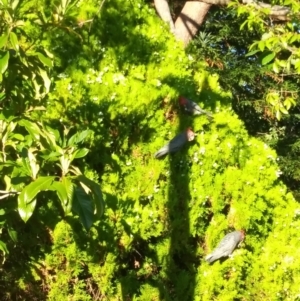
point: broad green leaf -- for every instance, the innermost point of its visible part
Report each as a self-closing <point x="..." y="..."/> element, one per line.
<point x="282" y="63"/>
<point x="19" y="23"/>
<point x="14" y="4"/>
<point x="261" y="45"/>
<point x="13" y="234"/>
<point x="80" y="153"/>
<point x="3" y="40"/>
<point x="33" y="163"/>
<point x="252" y="52"/>
<point x="18" y="137"/>
<point x="287" y="103"/>
<point x="96" y="191"/>
<point x="46" y="61"/>
<point x="14" y="41"/>
<point x="53" y="132"/>
<point x="51" y="138"/>
<point x="7" y="181"/>
<point x="275" y="67"/>
<point x="268" y="58"/>
<point x="278" y="115"/>
<point x="64" y="191"/>
<point x="49" y="53"/>
<point x="52" y="156"/>
<point x="26" y="199"/>
<point x="31" y="127"/>
<point x="266" y="36"/>
<point x="3" y="247"/>
<point x="283" y="110"/>
<point x="78" y="137"/>
<point x="83" y="206"/>
<point x="75" y="170"/>
<point x="47" y="81"/>
<point x="243" y="25"/>
<point x="4" y="62"/>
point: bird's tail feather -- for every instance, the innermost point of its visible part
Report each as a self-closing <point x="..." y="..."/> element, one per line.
<point x="163" y="151"/>
<point x="211" y="258"/>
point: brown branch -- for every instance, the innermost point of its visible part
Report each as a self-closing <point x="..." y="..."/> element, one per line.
<point x="190" y="19"/>
<point x="277" y="12"/>
<point x="193" y="14"/>
<point x="163" y="10"/>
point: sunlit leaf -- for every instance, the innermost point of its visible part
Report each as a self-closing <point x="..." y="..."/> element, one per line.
<point x="31" y="127"/>
<point x="261" y="45"/>
<point x="14" y="41"/>
<point x="26" y="199"/>
<point x="268" y="58"/>
<point x="78" y="137"/>
<point x="64" y="191"/>
<point x="47" y="81"/>
<point x="3" y="247"/>
<point x="46" y="61"/>
<point x="275" y="68"/>
<point x="80" y="153"/>
<point x="278" y="115"/>
<point x="3" y="40"/>
<point x="252" y="52"/>
<point x="14" y="4"/>
<point x="4" y="62"/>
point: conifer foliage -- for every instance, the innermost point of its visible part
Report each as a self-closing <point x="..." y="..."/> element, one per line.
<point x="120" y="78"/>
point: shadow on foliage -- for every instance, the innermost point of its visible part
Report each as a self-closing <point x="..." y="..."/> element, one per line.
<point x="181" y="269"/>
<point x="23" y="263"/>
<point x="117" y="135"/>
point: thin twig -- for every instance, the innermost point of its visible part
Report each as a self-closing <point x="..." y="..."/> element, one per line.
<point x="96" y="14"/>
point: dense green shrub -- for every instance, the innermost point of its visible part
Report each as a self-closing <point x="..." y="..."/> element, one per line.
<point x="162" y="216"/>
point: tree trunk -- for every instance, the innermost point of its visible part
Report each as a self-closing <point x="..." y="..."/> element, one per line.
<point x="190" y="20"/>
<point x="163" y="10"/>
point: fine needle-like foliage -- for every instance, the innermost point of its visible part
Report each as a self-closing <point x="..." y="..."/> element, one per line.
<point x="119" y="79"/>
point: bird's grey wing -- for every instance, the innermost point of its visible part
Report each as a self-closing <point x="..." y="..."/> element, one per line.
<point x="225" y="247"/>
<point x="177" y="142"/>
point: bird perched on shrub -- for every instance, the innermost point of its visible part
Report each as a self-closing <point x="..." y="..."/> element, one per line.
<point x="192" y="108"/>
<point x="176" y="143"/>
<point x="226" y="246"/>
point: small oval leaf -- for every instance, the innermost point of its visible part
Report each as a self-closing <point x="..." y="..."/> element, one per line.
<point x="14" y="41"/>
<point x="4" y="62"/>
<point x="46" y="61"/>
<point x="80" y="153"/>
<point x="268" y="58"/>
<point x="3" y="40"/>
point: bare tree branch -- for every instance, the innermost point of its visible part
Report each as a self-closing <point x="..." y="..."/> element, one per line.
<point x="277" y="12"/>
<point x="194" y="12"/>
<point x="163" y="10"/>
<point x="190" y="19"/>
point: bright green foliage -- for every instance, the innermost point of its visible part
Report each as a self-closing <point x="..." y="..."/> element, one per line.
<point x="27" y="158"/>
<point x="162" y="216"/>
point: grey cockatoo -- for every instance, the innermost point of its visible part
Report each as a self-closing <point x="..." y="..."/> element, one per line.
<point x="226" y="246"/>
<point x="193" y="108"/>
<point x="176" y="143"/>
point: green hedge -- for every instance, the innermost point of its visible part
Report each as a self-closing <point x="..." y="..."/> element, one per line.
<point x="163" y="216"/>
